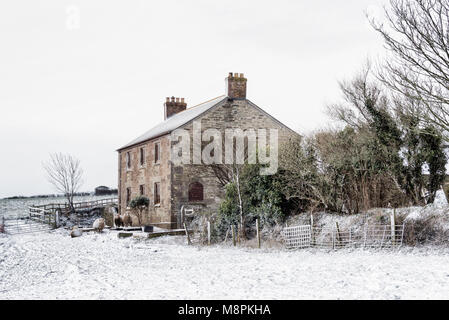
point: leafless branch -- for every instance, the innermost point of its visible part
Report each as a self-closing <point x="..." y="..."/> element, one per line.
<point x="65" y="174"/>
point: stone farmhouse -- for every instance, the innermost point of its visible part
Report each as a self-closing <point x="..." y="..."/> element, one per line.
<point x="145" y="166"/>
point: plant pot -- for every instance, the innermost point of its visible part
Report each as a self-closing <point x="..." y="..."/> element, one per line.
<point x="147" y="228"/>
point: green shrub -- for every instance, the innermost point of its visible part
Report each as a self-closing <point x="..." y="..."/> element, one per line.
<point x="138" y="205"/>
<point x="261" y="199"/>
<point x="140" y="201"/>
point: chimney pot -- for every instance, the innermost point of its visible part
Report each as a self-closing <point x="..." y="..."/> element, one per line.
<point x="236" y="86"/>
<point x="173" y="106"/>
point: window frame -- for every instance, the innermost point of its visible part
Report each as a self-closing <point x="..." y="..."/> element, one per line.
<point x="157" y="193"/>
<point x="190" y="191"/>
<point x="142" y="156"/>
<point x="157" y="152"/>
<point x="128" y="196"/>
<point x="128" y="160"/>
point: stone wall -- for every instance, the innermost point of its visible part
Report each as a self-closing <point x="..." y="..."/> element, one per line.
<point x="147" y="175"/>
<point x="232" y="114"/>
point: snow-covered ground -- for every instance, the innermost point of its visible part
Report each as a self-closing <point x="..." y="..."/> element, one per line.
<point x="15" y="208"/>
<point x="101" y="266"/>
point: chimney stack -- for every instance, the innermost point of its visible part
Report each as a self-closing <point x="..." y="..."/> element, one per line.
<point x="236" y="86"/>
<point x="173" y="106"/>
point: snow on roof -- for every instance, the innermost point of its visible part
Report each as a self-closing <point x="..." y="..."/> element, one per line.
<point x="176" y="121"/>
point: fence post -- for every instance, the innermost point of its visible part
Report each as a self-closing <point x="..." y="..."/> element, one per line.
<point x="338" y="233"/>
<point x="233" y="234"/>
<point x="312" y="238"/>
<point x="226" y="236"/>
<point x="187" y="234"/>
<point x="393" y="227"/>
<point x="350" y="236"/>
<point x="402" y="234"/>
<point x="208" y="232"/>
<point x="181" y="216"/>
<point x="333" y="238"/>
<point x="383" y="237"/>
<point x="258" y="233"/>
<point x="57" y="219"/>
<point x="364" y="236"/>
<point x="237" y="233"/>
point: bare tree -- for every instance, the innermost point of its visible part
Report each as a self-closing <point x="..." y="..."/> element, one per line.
<point x="417" y="36"/>
<point x="361" y="94"/>
<point x="301" y="173"/>
<point x="65" y="174"/>
<point x="231" y="173"/>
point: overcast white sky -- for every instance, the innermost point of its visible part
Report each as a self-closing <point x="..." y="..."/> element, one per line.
<point x="87" y="89"/>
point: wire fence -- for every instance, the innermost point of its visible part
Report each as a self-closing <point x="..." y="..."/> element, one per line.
<point x="373" y="236"/>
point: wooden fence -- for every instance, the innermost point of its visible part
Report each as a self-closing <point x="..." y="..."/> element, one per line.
<point x="47" y="216"/>
<point x="64" y="208"/>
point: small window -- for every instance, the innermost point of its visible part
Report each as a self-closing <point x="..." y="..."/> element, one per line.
<point x="142" y="156"/>
<point x="157" y="193"/>
<point x="196" y="192"/>
<point x="157" y="152"/>
<point x="142" y="189"/>
<point x="128" y="196"/>
<point x="128" y="160"/>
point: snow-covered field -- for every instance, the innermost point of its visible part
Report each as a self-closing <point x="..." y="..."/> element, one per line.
<point x="15" y="208"/>
<point x="101" y="266"/>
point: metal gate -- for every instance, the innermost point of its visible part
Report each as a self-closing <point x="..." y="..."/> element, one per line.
<point x="38" y="220"/>
<point x="374" y="236"/>
<point x="23" y="225"/>
<point x="297" y="237"/>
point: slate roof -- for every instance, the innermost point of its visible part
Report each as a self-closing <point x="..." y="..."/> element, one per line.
<point x="176" y="121"/>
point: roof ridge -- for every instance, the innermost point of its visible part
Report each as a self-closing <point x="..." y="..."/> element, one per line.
<point x="176" y="121"/>
<point x="197" y="105"/>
